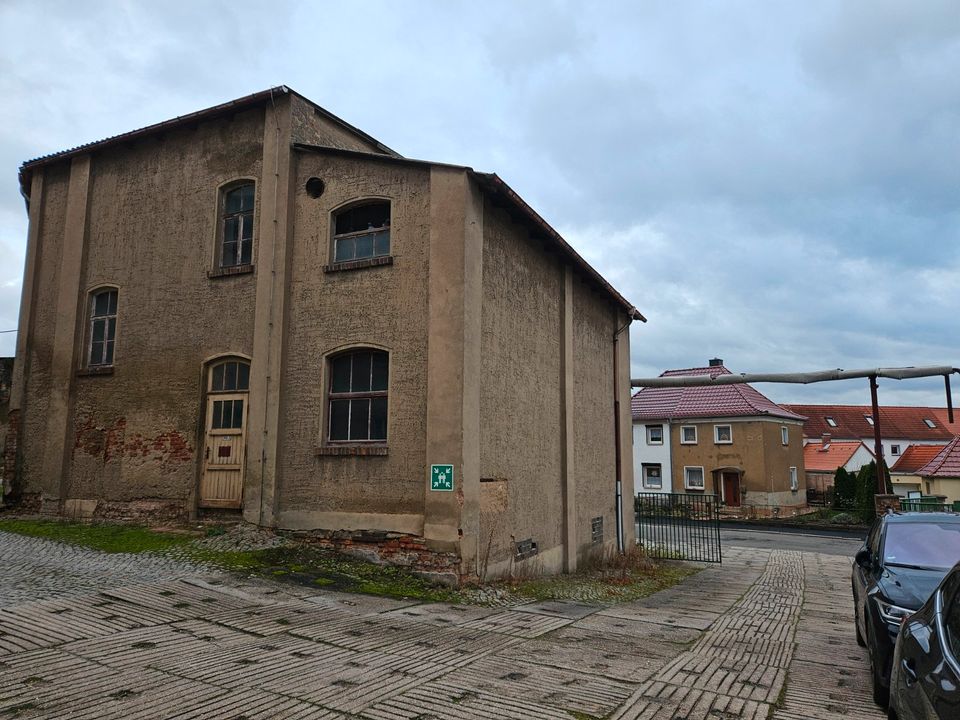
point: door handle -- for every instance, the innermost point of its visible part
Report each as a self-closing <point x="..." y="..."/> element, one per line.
<point x="909" y="672"/>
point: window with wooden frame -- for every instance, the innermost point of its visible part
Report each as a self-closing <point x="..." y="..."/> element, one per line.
<point x="102" y="331"/>
<point x="235" y="247"/>
<point x="228" y="376"/>
<point x="362" y="232"/>
<point x="357" y="398"/>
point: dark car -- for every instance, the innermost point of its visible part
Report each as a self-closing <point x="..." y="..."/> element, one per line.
<point x="925" y="676"/>
<point x="904" y="558"/>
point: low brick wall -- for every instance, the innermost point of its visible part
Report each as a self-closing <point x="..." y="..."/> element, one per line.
<point x="387" y="548"/>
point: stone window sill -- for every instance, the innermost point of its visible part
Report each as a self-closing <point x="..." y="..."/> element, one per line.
<point x="350" y="450"/>
<point x="230" y="271"/>
<point x="359" y="264"/>
<point x="92" y="371"/>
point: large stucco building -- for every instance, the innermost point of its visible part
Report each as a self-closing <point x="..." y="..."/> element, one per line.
<point x="259" y="307"/>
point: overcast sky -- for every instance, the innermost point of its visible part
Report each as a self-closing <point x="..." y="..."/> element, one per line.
<point x="776" y="184"/>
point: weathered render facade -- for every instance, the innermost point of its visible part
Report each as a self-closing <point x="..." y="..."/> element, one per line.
<point x="259" y="307"/>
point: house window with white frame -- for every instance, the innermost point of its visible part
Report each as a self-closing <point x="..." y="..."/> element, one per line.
<point x="103" y="328"/>
<point x="784" y="435"/>
<point x="723" y="434"/>
<point x="894" y="449"/>
<point x="693" y="478"/>
<point x="794" y="482"/>
<point x="688" y="435"/>
<point x="652" y="476"/>
<point x="654" y="434"/>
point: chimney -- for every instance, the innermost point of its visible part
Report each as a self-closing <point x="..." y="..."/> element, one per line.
<point x="824" y="442"/>
<point x="716" y="362"/>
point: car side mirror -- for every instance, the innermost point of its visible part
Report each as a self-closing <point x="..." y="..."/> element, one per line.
<point x="864" y="559"/>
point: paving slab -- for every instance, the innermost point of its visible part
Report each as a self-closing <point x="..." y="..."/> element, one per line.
<point x="768" y="634"/>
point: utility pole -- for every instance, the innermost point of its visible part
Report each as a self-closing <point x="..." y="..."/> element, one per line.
<point x="877" y="444"/>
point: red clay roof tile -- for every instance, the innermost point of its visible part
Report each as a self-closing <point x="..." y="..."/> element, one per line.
<point x="711" y="401"/>
<point x="851" y="422"/>
<point x="946" y="463"/>
<point x="915" y="457"/>
<point x="836" y="454"/>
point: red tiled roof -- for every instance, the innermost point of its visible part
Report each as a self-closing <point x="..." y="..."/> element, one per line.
<point x="895" y="422"/>
<point x="836" y="454"/>
<point x="712" y="401"/>
<point x="946" y="463"/>
<point x="915" y="457"/>
<point x="953" y="427"/>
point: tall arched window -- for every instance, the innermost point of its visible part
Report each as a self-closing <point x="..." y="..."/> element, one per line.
<point x="362" y="232"/>
<point x="236" y="225"/>
<point x="103" y="327"/>
<point x="358" y="396"/>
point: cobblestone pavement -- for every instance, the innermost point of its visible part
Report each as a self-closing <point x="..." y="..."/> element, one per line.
<point x="768" y="634"/>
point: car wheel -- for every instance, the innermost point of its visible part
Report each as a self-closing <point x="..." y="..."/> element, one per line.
<point x="881" y="694"/>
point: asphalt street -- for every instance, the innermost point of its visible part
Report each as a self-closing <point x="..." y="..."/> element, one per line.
<point x="827" y="544"/>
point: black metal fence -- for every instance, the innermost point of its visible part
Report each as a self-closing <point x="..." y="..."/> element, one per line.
<point x="682" y="526"/>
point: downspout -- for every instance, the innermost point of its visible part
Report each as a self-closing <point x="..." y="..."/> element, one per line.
<point x="616" y="435"/>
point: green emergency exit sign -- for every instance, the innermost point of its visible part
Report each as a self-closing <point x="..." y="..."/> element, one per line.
<point x="441" y="477"/>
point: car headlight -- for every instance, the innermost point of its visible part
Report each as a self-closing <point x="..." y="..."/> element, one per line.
<point x="893" y="614"/>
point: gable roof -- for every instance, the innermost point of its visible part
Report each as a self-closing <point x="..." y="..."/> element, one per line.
<point x="946" y="463"/>
<point x="851" y="422"/>
<point x="915" y="457"/>
<point x="492" y="184"/>
<point x="835" y="455"/>
<point x="227" y="108"/>
<point x="699" y="402"/>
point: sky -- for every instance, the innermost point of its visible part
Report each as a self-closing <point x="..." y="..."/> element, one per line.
<point x="775" y="184"/>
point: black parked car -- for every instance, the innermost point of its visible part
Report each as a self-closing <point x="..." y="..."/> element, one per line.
<point x="925" y="676"/>
<point x="905" y="557"/>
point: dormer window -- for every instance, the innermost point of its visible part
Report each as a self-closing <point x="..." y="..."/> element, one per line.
<point x="362" y="232"/>
<point x="831" y="422"/>
<point x="868" y="419"/>
<point x="929" y="423"/>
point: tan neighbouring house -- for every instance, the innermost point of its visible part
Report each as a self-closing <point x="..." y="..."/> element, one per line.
<point x="905" y="472"/>
<point x="260" y="308"/>
<point x="730" y="440"/>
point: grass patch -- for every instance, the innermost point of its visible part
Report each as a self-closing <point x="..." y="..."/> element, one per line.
<point x="603" y="585"/>
<point x="100" y="536"/>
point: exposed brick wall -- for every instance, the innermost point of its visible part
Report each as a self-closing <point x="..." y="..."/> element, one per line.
<point x="388" y="548"/>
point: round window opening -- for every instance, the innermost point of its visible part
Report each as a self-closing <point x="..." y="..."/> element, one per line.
<point x="315" y="187"/>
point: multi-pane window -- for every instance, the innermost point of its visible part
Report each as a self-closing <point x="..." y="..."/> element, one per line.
<point x="236" y="245"/>
<point x="693" y="478"/>
<point x="723" y="434"/>
<point x="362" y="232"/>
<point x="230" y="376"/>
<point x="654" y="434"/>
<point x="652" y="477"/>
<point x="358" y="397"/>
<point x="103" y="328"/>
<point x="688" y="435"/>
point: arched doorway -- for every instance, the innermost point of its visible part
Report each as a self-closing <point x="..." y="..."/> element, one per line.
<point x="225" y="438"/>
